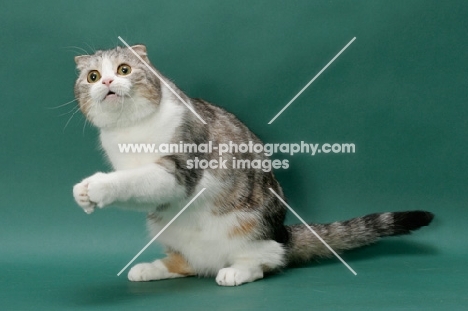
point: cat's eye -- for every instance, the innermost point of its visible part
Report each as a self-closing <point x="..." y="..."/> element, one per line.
<point x="124" y="70"/>
<point x="94" y="76"/>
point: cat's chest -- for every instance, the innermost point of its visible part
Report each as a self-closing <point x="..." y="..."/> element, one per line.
<point x="138" y="145"/>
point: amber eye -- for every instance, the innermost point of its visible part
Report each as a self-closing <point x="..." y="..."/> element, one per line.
<point x="124" y="70"/>
<point x="94" y="76"/>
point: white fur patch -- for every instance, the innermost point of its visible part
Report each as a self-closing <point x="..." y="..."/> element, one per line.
<point x="150" y="272"/>
<point x="156" y="129"/>
<point x="237" y="276"/>
<point x="203" y="237"/>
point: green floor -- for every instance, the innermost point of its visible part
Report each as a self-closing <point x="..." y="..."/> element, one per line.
<point x="403" y="274"/>
<point x="399" y="92"/>
<point x="392" y="276"/>
<point x="72" y="263"/>
<point x="403" y="283"/>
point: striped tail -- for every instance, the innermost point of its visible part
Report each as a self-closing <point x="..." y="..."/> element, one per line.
<point x="344" y="235"/>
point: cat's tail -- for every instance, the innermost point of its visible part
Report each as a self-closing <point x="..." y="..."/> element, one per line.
<point x="340" y="236"/>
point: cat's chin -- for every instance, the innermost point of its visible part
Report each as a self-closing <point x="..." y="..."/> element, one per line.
<point x="117" y="112"/>
<point x="114" y="124"/>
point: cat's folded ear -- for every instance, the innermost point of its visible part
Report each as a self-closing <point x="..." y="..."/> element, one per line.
<point x="140" y="49"/>
<point x="80" y="60"/>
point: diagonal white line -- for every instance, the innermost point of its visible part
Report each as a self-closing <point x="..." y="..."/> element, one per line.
<point x="162" y="230"/>
<point x="315" y="233"/>
<point x="313" y="79"/>
<point x="162" y="80"/>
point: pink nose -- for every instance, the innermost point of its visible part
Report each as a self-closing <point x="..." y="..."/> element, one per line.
<point x="107" y="81"/>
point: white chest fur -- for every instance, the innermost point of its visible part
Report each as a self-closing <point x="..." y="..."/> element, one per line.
<point x="156" y="129"/>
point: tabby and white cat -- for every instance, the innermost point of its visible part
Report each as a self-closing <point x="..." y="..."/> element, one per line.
<point x="235" y="229"/>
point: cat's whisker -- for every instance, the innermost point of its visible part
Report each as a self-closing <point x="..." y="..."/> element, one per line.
<point x="71" y="117"/>
<point x="63" y="105"/>
<point x="91" y="48"/>
<point x="86" y="116"/>
<point x="77" y="49"/>
<point x="69" y="111"/>
<point x="87" y="100"/>
<point x="86" y="120"/>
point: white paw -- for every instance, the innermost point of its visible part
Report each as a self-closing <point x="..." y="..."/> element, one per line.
<point x="80" y="193"/>
<point x="235" y="276"/>
<point x="100" y="189"/>
<point x="93" y="191"/>
<point x="147" y="272"/>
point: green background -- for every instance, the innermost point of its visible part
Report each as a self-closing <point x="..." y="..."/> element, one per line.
<point x="398" y="92"/>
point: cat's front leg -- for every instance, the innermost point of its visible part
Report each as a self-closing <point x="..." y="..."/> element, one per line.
<point x="149" y="185"/>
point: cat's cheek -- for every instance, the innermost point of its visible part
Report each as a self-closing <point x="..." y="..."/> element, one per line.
<point x="101" y="189"/>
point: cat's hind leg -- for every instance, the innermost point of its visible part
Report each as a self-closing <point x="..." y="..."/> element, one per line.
<point x="173" y="266"/>
<point x="248" y="266"/>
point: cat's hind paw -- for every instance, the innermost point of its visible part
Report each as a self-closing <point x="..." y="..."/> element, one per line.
<point x="150" y="271"/>
<point x="142" y="272"/>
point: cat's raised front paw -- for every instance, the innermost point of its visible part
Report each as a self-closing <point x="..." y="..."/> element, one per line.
<point x="93" y="191"/>
<point x="100" y="189"/>
<point x="80" y="193"/>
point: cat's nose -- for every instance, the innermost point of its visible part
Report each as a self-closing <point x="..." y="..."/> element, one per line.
<point x="107" y="81"/>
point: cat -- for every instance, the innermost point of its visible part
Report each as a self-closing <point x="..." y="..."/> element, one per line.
<point x="235" y="229"/>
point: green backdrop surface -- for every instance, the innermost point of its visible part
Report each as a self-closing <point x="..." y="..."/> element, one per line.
<point x="399" y="93"/>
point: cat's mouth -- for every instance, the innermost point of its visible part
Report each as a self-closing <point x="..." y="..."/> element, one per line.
<point x="111" y="94"/>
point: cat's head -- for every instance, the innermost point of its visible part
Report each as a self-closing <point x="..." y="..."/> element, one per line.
<point x="114" y="88"/>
